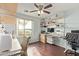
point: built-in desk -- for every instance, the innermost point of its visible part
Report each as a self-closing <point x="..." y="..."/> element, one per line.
<point x="48" y="38"/>
<point x="56" y="39"/>
<point x="53" y="39"/>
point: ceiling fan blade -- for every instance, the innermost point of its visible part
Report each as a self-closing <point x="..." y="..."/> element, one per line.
<point x="48" y="6"/>
<point x="36" y="5"/>
<point x="46" y="11"/>
<point x="33" y="11"/>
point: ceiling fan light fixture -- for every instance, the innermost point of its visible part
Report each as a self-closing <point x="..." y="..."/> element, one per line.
<point x="40" y="12"/>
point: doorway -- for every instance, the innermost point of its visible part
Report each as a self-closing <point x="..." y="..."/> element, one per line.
<point x="24" y="29"/>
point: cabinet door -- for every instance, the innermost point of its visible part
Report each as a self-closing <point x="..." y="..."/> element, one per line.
<point x="50" y="40"/>
<point x="60" y="42"/>
<point x="43" y="38"/>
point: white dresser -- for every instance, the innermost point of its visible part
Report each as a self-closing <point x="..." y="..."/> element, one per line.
<point x="15" y="50"/>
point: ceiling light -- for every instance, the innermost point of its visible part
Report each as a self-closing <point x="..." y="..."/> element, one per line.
<point x="40" y="12"/>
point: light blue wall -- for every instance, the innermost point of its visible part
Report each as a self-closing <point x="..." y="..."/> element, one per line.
<point x="72" y="21"/>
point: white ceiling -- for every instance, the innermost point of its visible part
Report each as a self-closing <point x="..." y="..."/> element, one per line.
<point x="57" y="8"/>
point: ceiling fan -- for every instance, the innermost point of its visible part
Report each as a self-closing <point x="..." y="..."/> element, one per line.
<point x="40" y="9"/>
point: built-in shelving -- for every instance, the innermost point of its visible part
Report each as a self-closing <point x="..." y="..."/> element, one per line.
<point x="57" y="24"/>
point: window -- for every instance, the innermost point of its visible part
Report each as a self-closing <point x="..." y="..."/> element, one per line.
<point x="24" y="28"/>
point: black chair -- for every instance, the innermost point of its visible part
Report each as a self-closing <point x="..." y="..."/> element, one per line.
<point x="74" y="47"/>
<point x="72" y="40"/>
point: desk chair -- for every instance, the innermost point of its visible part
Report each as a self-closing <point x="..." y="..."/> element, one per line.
<point x="24" y="45"/>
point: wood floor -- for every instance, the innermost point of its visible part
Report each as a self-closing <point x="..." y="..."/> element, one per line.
<point x="40" y="49"/>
